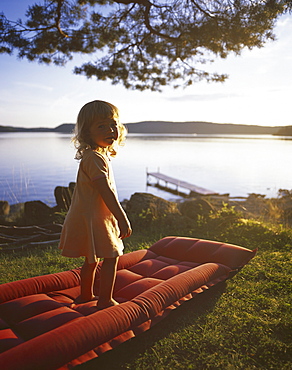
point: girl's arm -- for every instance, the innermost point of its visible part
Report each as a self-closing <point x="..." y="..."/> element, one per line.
<point x="114" y="206"/>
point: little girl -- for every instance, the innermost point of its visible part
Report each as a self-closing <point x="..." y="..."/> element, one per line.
<point x="96" y="223"/>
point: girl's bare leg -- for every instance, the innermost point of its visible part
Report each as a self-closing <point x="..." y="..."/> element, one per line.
<point x="87" y="280"/>
<point x="107" y="280"/>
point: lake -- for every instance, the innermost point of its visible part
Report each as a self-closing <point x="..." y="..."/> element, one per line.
<point x="33" y="164"/>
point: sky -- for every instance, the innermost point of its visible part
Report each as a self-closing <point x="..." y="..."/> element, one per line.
<point x="258" y="91"/>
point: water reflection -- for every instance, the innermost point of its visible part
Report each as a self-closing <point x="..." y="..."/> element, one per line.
<point x="33" y="164"/>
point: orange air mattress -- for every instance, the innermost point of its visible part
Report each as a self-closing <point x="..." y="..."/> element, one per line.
<point x="41" y="327"/>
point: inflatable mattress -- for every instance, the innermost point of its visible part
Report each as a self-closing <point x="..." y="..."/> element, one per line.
<point x="41" y="327"/>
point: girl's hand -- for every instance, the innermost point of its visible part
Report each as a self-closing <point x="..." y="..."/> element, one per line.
<point x="125" y="229"/>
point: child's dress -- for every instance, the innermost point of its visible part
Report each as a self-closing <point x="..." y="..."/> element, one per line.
<point x="90" y="229"/>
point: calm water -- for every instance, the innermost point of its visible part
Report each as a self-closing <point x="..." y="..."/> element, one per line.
<point x="33" y="164"/>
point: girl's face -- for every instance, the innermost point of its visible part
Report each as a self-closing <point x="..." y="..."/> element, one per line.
<point x="104" y="132"/>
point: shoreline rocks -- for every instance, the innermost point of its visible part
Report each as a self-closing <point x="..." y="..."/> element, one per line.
<point x="147" y="207"/>
<point x="4" y="208"/>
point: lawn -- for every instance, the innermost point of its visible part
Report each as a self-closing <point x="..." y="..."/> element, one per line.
<point x="244" y="323"/>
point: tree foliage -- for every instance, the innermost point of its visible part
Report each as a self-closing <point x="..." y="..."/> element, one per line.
<point x="140" y="43"/>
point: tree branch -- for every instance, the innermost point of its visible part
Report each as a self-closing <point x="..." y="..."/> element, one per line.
<point x="127" y="2"/>
<point x="58" y="18"/>
<point x="151" y="29"/>
<point x="143" y="43"/>
<point x="208" y="14"/>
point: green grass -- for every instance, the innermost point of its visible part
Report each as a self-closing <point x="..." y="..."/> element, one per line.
<point x="244" y="323"/>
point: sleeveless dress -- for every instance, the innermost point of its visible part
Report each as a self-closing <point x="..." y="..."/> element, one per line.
<point x="90" y="229"/>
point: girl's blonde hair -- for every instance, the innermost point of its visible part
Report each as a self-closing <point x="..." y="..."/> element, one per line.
<point x="91" y="111"/>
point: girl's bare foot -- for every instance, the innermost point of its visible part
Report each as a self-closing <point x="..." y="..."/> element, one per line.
<point x="103" y="305"/>
<point x="81" y="299"/>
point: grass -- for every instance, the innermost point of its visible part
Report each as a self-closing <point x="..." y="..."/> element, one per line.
<point x="245" y="323"/>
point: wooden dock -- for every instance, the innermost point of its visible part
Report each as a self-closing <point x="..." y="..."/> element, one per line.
<point x="194" y="189"/>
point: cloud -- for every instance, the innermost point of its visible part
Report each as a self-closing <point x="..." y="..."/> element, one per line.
<point x="204" y="97"/>
<point x="34" y="86"/>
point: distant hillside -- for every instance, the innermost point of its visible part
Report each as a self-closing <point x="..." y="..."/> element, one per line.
<point x="65" y="128"/>
<point x="159" y="127"/>
<point x="285" y="131"/>
<point x="164" y="127"/>
<point x="23" y="129"/>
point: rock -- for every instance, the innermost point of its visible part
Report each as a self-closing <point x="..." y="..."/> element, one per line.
<point x="4" y="208"/>
<point x="17" y="209"/>
<point x="37" y="213"/>
<point x="63" y="196"/>
<point x="14" y="216"/>
<point x="193" y="208"/>
<point x="149" y="205"/>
